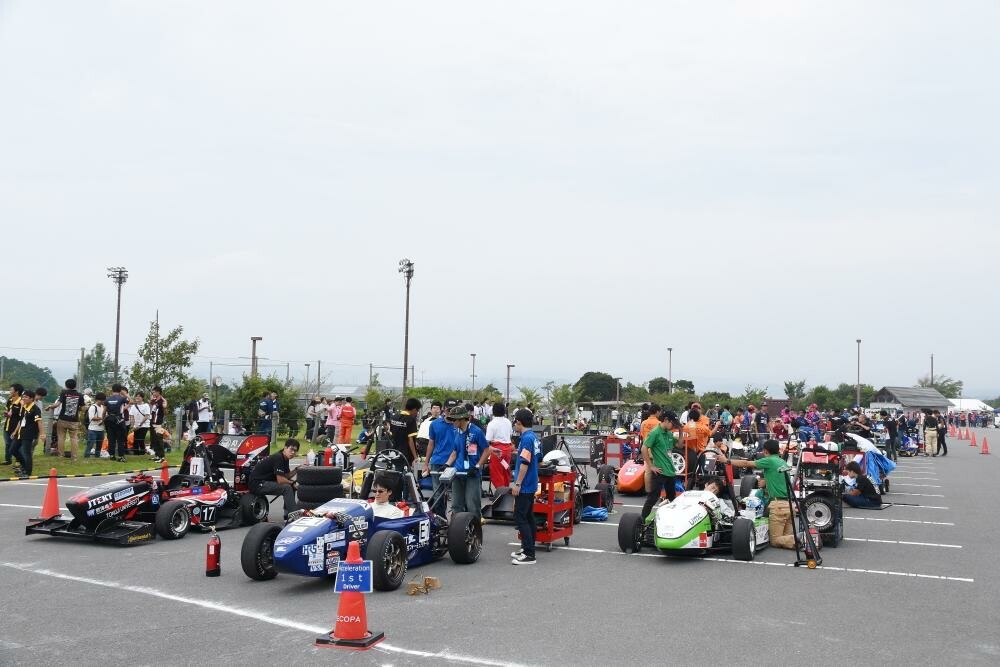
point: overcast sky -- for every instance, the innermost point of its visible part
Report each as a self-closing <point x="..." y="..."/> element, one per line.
<point x="580" y="185"/>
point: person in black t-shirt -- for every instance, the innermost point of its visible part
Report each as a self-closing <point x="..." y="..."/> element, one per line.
<point x="403" y="427"/>
<point x="892" y="430"/>
<point x="10" y="420"/>
<point x="942" y="429"/>
<point x="26" y="432"/>
<point x="272" y="476"/>
<point x="114" y="422"/>
<point x="930" y="434"/>
<point x="864" y="494"/>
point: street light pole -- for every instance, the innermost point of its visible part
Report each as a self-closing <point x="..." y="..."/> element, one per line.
<point x="670" y="370"/>
<point x="307" y="377"/>
<point x="118" y="275"/>
<point x="509" y="366"/>
<point x="253" y="355"/>
<point x="406" y="268"/>
<point x="857" y="387"/>
<point x="473" y="355"/>
<point x="932" y="370"/>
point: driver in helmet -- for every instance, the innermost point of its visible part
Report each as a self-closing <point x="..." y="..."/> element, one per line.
<point x="719" y="509"/>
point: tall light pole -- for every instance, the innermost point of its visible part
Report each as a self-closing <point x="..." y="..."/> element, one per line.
<point x="670" y="369"/>
<point x="932" y="370"/>
<point x="307" y="377"/>
<point x="857" y="387"/>
<point x="118" y="275"/>
<point x="509" y="366"/>
<point x="406" y="268"/>
<point x="253" y="355"/>
<point x="473" y="355"/>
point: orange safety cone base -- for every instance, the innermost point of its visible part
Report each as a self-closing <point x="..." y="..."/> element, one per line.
<point x="986" y="447"/>
<point x="164" y="473"/>
<point x="329" y="641"/>
<point x="50" y="504"/>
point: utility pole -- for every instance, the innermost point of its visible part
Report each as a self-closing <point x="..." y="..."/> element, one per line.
<point x="118" y="275"/>
<point x="473" y="355"/>
<point x="932" y="370"/>
<point x="509" y="366"/>
<point x="371" y="375"/>
<point x="211" y="372"/>
<point x="406" y="268"/>
<point x="306" y="385"/>
<point x="319" y="376"/>
<point x="670" y="370"/>
<point x="858" y="385"/>
<point x="79" y="376"/>
<point x="253" y="355"/>
<point x="288" y="372"/>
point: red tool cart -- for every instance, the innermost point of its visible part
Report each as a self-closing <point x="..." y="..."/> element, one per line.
<point x="557" y="515"/>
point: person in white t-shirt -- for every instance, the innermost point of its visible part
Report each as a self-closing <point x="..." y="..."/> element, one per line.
<point x="206" y="415"/>
<point x="95" y="426"/>
<point x="139" y="416"/>
<point x="498" y="433"/>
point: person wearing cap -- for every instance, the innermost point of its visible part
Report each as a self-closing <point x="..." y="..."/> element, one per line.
<point x="206" y="418"/>
<point x="656" y="449"/>
<point x="439" y="448"/>
<point x="470" y="452"/>
<point x="524" y="487"/>
<point x="779" y="511"/>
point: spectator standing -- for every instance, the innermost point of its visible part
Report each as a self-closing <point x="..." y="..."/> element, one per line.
<point x="942" y="430"/>
<point x="524" y="487"/>
<point x="114" y="422"/>
<point x="157" y="413"/>
<point x="930" y="434"/>
<point x="266" y="410"/>
<point x="70" y="406"/>
<point x="498" y="434"/>
<point x="139" y="416"/>
<point x="470" y="453"/>
<point x="311" y="418"/>
<point x="333" y="419"/>
<point x="95" y="426"/>
<point x="439" y="449"/>
<point x="47" y="428"/>
<point x="424" y="431"/>
<point x="650" y="422"/>
<point x="206" y="414"/>
<point x="11" y="416"/>
<point x="403" y="429"/>
<point x="347" y="415"/>
<point x="762" y="421"/>
<point x="26" y="432"/>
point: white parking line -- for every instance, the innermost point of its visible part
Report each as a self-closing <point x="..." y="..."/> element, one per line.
<point x="764" y="562"/>
<point x="926" y="523"/>
<point x="444" y="655"/>
<point x="918" y="495"/>
<point x="923" y="507"/>
<point x="61" y="486"/>
<point x="30" y="507"/>
<point x="917" y="544"/>
<point x="925" y="486"/>
<point x="925" y="479"/>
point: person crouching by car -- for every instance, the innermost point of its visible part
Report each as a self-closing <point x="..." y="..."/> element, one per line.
<point x="656" y="453"/>
<point x="779" y="512"/>
<point x="470" y="454"/>
<point x="272" y="477"/>
<point x="525" y="485"/>
<point x="864" y="494"/>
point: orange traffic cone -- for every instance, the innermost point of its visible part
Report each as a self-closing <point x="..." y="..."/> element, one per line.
<point x="164" y="473"/>
<point x="50" y="505"/>
<point x="352" y="620"/>
<point x="973" y="443"/>
<point x="986" y="447"/>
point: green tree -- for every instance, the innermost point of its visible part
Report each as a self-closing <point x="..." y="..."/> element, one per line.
<point x="98" y="368"/>
<point x="30" y="375"/>
<point x="675" y="401"/>
<point x="795" y="389"/>
<point x="634" y="394"/>
<point x="564" y="397"/>
<point x="595" y="386"/>
<point x="183" y="392"/>
<point x="754" y="395"/>
<point x="821" y="396"/>
<point x="684" y="385"/>
<point x="163" y="360"/>
<point x="710" y="398"/>
<point x="530" y="395"/>
<point x="948" y="387"/>
<point x="659" y="385"/>
<point x="244" y="402"/>
<point x="489" y="393"/>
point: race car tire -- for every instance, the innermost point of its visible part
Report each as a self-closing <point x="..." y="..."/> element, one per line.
<point x="630" y="533"/>
<point x="744" y="539"/>
<point x="679" y="461"/>
<point x="833" y="538"/>
<point x="257" y="553"/>
<point x="320" y="493"/>
<point x="607" y="495"/>
<point x="387" y="551"/>
<point x="820" y="512"/>
<point x="253" y="509"/>
<point x="577" y="507"/>
<point x="173" y="520"/>
<point x="747" y="484"/>
<point x="465" y="538"/>
<point x="317" y="475"/>
<point x="606" y="474"/>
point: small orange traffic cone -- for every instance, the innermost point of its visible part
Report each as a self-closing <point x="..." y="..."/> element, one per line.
<point x="164" y="473"/>
<point x="973" y="443"/>
<point x="351" y="631"/>
<point x="50" y="505"/>
<point x="986" y="447"/>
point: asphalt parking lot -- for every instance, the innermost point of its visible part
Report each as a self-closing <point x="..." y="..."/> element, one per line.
<point x="911" y="584"/>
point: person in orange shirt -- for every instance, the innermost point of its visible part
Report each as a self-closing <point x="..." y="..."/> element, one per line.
<point x="347" y="413"/>
<point x="651" y="422"/>
<point x="695" y="436"/>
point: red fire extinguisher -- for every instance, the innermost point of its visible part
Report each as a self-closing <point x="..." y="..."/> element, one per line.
<point x="213" y="556"/>
<point x="328" y="456"/>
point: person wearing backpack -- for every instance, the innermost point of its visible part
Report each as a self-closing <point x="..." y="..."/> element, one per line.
<point x="114" y="422"/>
<point x="95" y="426"/>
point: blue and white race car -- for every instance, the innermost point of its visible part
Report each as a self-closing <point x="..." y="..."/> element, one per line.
<point x="314" y="545"/>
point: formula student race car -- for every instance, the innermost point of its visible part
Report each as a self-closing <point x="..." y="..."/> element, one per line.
<point x="698" y="523"/>
<point x="129" y="511"/>
<point x="313" y="545"/>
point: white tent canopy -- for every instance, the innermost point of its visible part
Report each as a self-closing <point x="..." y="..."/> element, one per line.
<point x="968" y="405"/>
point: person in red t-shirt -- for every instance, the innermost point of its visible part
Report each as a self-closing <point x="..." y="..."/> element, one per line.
<point x="347" y="413"/>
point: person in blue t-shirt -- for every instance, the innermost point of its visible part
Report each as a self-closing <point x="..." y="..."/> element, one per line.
<point x="525" y="485"/>
<point x="439" y="448"/>
<point x="470" y="452"/>
<point x="266" y="411"/>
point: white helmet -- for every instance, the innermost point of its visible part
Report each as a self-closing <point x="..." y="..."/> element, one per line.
<point x="620" y="432"/>
<point x="558" y="460"/>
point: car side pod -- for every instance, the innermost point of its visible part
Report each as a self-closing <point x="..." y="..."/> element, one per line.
<point x="351" y="630"/>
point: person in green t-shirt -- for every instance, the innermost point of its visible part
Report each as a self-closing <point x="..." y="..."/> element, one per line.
<point x="779" y="512"/>
<point x="656" y="453"/>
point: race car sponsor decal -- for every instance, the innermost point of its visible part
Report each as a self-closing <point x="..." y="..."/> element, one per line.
<point x="359" y="523"/>
<point x="100" y="500"/>
<point x="295" y="528"/>
<point x="124" y="493"/>
<point x="280" y="550"/>
<point x="425" y="532"/>
<point x="336" y="537"/>
<point x="363" y="504"/>
<point x="129" y="504"/>
<point x="155" y="499"/>
<point x="310" y="521"/>
<point x="287" y="540"/>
